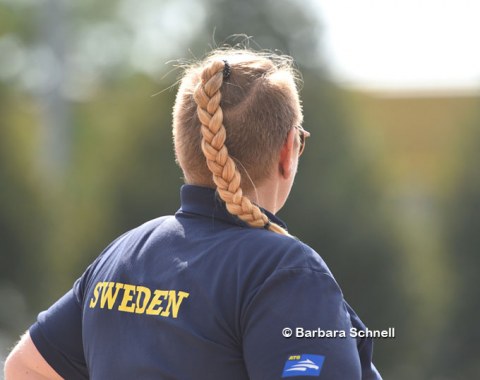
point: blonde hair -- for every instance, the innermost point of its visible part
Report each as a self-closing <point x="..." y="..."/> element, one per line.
<point x="236" y="106"/>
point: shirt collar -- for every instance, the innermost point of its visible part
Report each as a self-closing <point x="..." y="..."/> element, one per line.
<point x="205" y="201"/>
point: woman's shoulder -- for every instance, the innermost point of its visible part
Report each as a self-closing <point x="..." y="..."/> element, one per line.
<point x="275" y="252"/>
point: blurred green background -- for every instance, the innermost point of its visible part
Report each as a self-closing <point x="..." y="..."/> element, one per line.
<point x="388" y="190"/>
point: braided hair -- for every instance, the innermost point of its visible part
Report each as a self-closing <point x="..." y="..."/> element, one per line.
<point x="247" y="82"/>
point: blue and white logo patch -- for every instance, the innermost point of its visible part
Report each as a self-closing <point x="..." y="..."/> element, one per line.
<point x="303" y="365"/>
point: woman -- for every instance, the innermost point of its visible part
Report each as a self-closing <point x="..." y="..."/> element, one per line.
<point x="220" y="290"/>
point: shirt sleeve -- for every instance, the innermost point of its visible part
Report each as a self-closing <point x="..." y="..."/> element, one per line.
<point x="297" y="324"/>
<point x="57" y="335"/>
<point x="365" y="349"/>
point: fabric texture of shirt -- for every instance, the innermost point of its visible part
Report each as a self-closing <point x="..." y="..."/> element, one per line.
<point x="199" y="295"/>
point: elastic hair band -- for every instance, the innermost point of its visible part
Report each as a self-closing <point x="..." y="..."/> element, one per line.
<point x="227" y="70"/>
<point x="267" y="225"/>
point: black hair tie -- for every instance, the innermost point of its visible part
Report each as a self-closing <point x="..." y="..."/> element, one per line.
<point x="227" y="70"/>
<point x="267" y="225"/>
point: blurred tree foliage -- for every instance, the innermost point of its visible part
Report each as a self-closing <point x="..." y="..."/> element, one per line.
<point x="291" y="28"/>
<point x="23" y="215"/>
<point x="457" y="349"/>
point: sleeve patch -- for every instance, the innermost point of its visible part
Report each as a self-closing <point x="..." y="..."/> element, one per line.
<point x="303" y="365"/>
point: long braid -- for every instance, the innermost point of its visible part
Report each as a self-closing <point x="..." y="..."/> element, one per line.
<point x="226" y="176"/>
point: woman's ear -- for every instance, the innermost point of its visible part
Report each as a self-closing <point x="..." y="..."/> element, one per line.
<point x="286" y="163"/>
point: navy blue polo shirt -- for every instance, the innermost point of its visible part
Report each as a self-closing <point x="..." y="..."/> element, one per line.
<point x="199" y="295"/>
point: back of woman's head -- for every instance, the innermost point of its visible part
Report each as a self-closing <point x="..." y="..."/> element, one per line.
<point x="232" y="114"/>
